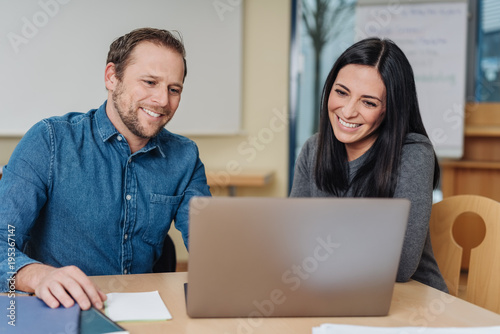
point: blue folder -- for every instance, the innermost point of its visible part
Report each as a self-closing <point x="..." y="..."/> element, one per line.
<point x="25" y="314"/>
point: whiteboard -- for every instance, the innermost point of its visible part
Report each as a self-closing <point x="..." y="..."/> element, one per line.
<point x="433" y="37"/>
<point x="53" y="54"/>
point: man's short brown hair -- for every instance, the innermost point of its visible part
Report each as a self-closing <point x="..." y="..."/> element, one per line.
<point x="121" y="49"/>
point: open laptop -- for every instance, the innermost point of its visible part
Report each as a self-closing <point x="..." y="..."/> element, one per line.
<point x="277" y="257"/>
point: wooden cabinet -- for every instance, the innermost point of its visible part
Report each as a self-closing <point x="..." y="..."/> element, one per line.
<point x="471" y="177"/>
<point x="478" y="172"/>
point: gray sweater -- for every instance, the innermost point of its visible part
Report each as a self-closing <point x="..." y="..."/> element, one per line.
<point x="415" y="180"/>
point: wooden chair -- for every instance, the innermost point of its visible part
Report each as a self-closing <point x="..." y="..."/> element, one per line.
<point x="483" y="283"/>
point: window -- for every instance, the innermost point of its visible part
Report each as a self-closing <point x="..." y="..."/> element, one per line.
<point x="487" y="81"/>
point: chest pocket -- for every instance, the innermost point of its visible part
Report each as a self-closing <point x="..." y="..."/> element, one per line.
<point x="162" y="210"/>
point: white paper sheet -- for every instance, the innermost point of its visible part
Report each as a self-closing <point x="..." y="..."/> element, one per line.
<point x="350" y="329"/>
<point x="136" y="306"/>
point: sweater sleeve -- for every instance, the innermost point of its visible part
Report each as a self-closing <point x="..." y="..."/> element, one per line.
<point x="415" y="182"/>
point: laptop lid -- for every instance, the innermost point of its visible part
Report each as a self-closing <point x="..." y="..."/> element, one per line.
<point x="254" y="257"/>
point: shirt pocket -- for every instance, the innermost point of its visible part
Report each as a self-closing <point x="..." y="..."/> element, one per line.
<point x="162" y="210"/>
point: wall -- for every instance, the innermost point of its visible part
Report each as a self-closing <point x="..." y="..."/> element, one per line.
<point x="265" y="103"/>
<point x="7" y="145"/>
<point x="264" y="144"/>
<point x="42" y="39"/>
<point x="265" y="99"/>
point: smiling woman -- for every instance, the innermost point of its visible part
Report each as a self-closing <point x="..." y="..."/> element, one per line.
<point x="356" y="107"/>
<point x="372" y="143"/>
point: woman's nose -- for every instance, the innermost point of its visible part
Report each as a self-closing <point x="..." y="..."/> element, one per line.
<point x="349" y="110"/>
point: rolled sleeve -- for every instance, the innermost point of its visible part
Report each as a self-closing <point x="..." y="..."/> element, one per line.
<point x="23" y="190"/>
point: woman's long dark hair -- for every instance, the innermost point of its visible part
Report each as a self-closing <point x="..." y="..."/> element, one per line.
<point x="378" y="175"/>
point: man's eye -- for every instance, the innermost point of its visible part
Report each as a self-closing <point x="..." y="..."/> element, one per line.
<point x="149" y="82"/>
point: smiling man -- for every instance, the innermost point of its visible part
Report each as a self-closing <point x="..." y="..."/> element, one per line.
<point x="95" y="193"/>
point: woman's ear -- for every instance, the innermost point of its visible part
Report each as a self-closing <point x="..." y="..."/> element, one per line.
<point x="110" y="79"/>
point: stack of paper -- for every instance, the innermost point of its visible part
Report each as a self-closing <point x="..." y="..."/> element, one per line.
<point x="349" y="329"/>
<point x="136" y="306"/>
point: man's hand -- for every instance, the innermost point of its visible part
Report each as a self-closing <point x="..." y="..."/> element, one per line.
<point x="57" y="286"/>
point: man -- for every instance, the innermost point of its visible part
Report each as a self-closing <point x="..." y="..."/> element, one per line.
<point x="95" y="193"/>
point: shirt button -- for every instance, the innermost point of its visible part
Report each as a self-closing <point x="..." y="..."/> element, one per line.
<point x="125" y="271"/>
<point x="129" y="197"/>
<point x="120" y="138"/>
<point x="125" y="236"/>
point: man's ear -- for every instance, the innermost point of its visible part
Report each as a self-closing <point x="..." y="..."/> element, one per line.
<point x="110" y="78"/>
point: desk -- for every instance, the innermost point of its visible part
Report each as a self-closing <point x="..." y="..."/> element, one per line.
<point x="413" y="304"/>
<point x="249" y="178"/>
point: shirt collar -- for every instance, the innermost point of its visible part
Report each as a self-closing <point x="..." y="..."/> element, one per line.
<point x="104" y="125"/>
<point x="107" y="130"/>
<point x="153" y="143"/>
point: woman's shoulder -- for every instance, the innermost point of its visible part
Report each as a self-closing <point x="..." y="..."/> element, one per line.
<point x="417" y="138"/>
<point x="418" y="146"/>
<point x="310" y="146"/>
<point x="312" y="141"/>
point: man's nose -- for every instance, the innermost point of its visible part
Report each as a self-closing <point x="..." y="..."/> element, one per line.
<point x="161" y="96"/>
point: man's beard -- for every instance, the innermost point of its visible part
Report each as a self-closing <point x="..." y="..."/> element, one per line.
<point x="130" y="118"/>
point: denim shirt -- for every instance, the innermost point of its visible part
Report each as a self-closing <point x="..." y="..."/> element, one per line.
<point x="73" y="194"/>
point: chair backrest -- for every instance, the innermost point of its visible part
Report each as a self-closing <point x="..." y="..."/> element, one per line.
<point x="168" y="260"/>
<point x="483" y="287"/>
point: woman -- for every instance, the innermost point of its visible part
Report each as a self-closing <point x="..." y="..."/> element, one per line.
<point x="372" y="143"/>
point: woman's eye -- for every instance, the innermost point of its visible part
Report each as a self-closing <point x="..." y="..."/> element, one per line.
<point x="370" y="104"/>
<point x="341" y="92"/>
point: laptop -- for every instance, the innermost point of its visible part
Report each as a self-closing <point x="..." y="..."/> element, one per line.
<point x="293" y="257"/>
